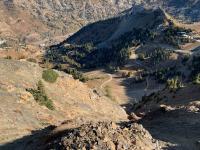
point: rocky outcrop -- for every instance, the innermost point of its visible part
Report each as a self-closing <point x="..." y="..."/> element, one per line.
<point x="103" y="135"/>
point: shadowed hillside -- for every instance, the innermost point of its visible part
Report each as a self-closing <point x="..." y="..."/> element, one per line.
<point x="111" y="29"/>
<point x="109" y="42"/>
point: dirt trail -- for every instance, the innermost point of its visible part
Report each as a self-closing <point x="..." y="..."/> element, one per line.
<point x="106" y="82"/>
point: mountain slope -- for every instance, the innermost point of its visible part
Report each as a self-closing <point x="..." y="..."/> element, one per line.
<point x="53" y="21"/>
<point x="21" y="114"/>
<point x="109" y="42"/>
<point x="111" y="29"/>
<point x="42" y="20"/>
<point x="173" y="117"/>
<point x="185" y="10"/>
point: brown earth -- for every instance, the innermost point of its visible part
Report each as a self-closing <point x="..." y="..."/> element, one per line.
<point x="20" y="114"/>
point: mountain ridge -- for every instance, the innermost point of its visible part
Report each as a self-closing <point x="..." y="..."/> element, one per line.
<point x="62" y="18"/>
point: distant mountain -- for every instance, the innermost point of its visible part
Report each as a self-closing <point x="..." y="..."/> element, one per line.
<point x="36" y="20"/>
<point x="137" y="18"/>
<point x="44" y="21"/>
<point x="68" y="15"/>
<point x="109" y="41"/>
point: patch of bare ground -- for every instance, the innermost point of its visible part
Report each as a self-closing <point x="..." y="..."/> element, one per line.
<point x="194" y="26"/>
<point x="27" y="52"/>
<point x="122" y="89"/>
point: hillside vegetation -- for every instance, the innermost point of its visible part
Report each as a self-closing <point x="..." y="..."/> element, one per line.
<point x="108" y="42"/>
<point x="99" y="74"/>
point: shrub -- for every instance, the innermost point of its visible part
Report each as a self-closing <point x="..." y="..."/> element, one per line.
<point x="49" y="75"/>
<point x="21" y="57"/>
<point x="88" y="47"/>
<point x="174" y="83"/>
<point x="141" y="56"/>
<point x="197" y="79"/>
<point x="70" y="61"/>
<point x="41" y="97"/>
<point x="8" y="57"/>
<point x="76" y="74"/>
<point x="138" y="79"/>
<point x="47" y="64"/>
<point x="32" y="60"/>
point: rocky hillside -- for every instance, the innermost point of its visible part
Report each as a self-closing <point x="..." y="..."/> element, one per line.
<point x="21" y="114"/>
<point x="173" y="117"/>
<point x="110" y="41"/>
<point x="70" y="15"/>
<point x="81" y="134"/>
<point x="102" y="135"/>
<point x="53" y="19"/>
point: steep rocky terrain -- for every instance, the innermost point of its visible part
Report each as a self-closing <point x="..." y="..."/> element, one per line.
<point x="81" y="134"/>
<point x="70" y="15"/>
<point x="103" y="135"/>
<point x="173" y="117"/>
<point x="21" y="114"/>
<point x="43" y="21"/>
